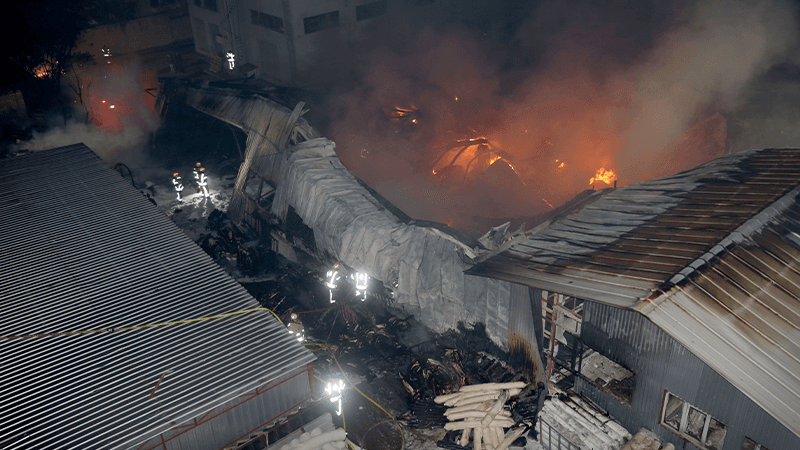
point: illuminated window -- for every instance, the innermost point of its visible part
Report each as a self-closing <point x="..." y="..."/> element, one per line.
<point x="750" y="444"/>
<point x="321" y="22"/>
<point x="267" y="21"/>
<point x="370" y="10"/>
<point x="690" y="423"/>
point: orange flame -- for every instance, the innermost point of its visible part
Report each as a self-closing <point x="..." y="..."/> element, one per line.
<point x="606" y="176"/>
<point x="561" y="166"/>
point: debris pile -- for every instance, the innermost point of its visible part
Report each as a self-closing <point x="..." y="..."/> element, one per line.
<point x="646" y="440"/>
<point x="580" y="422"/>
<point x="480" y="410"/>
<point x="316" y="439"/>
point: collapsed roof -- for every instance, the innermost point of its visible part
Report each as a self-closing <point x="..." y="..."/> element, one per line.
<point x="711" y="255"/>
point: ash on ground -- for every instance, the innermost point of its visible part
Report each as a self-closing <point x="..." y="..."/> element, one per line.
<point x="395" y="361"/>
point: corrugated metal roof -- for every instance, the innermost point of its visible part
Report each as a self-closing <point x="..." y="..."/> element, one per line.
<point x="82" y="250"/>
<point x="711" y="255"/>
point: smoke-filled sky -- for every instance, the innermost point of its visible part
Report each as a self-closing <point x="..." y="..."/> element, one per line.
<point x="120" y="113"/>
<point x="642" y="89"/>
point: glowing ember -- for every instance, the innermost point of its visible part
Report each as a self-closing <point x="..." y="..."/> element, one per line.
<point x="456" y="98"/>
<point x="606" y="176"/>
<point x="494" y="160"/>
<point x="560" y="166"/>
<point x="548" y="203"/>
<point x="43" y="70"/>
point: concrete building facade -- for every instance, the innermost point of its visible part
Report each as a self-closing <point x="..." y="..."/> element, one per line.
<point x="287" y="41"/>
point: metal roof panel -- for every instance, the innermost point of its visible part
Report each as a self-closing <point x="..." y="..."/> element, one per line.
<point x="83" y="250"/>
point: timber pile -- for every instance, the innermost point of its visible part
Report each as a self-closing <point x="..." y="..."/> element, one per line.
<point x="479" y="409"/>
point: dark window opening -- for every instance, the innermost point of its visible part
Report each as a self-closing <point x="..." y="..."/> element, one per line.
<point x="210" y="5"/>
<point x="370" y="10"/>
<point x="321" y="22"/>
<point x="267" y="21"/>
<point x="419" y="2"/>
<point x="607" y="376"/>
<point x="295" y="225"/>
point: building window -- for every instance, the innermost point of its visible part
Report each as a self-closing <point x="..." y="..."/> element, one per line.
<point x="607" y="376"/>
<point x="750" y="444"/>
<point x="370" y="10"/>
<point x="210" y="5"/>
<point x="267" y="21"/>
<point x="688" y="422"/>
<point x="321" y="22"/>
<point x="199" y="32"/>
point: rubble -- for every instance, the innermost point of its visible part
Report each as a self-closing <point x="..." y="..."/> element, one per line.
<point x="580" y="422"/>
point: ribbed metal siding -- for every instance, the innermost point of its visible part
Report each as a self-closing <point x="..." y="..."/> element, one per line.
<point x="82" y="250"/>
<point x="239" y="420"/>
<point x="661" y="363"/>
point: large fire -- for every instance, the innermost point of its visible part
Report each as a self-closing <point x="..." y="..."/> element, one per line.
<point x="606" y="176"/>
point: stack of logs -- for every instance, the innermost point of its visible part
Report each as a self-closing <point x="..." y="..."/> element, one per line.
<point x="480" y="409"/>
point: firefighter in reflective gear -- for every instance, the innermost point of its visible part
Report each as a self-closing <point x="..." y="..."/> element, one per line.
<point x="176" y="181"/>
<point x="361" y="282"/>
<point x="332" y="279"/>
<point x="201" y="179"/>
<point x="296" y="328"/>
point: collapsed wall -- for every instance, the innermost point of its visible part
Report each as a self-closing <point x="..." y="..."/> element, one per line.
<point x="353" y="227"/>
<point x="348" y="223"/>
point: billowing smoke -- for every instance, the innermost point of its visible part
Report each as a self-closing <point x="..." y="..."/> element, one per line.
<point x="111" y="114"/>
<point x="642" y="91"/>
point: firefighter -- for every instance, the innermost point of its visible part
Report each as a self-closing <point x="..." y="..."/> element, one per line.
<point x="331" y="280"/>
<point x="361" y="282"/>
<point x="201" y="179"/>
<point x="296" y="328"/>
<point x="176" y="181"/>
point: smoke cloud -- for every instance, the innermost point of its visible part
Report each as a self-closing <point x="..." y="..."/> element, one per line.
<point x="643" y="90"/>
<point x="120" y="117"/>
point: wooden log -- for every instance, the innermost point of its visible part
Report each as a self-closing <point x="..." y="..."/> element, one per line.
<point x="465" y="437"/>
<point x="466" y="397"/>
<point x="500" y="435"/>
<point x="510" y="437"/>
<point x="472" y="407"/>
<point x="499" y="422"/>
<point x="444" y="398"/>
<point x="492" y="386"/>
<point x="495" y="409"/>
<point x="476" y="415"/>
<point x="476" y="438"/>
<point x="490" y="437"/>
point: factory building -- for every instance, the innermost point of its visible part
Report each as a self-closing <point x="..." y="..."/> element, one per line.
<point x="117" y="331"/>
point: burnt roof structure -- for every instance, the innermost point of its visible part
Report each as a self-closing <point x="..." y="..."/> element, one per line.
<point x="711" y="255"/>
<point x="114" y="326"/>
